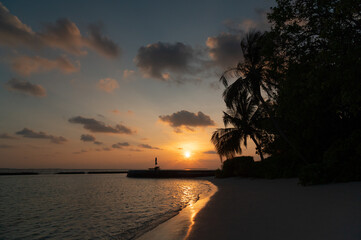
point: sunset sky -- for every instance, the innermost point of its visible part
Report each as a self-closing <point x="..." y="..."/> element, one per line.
<point x="114" y="84"/>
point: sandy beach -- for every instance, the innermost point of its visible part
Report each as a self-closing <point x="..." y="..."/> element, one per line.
<point x="280" y="209"/>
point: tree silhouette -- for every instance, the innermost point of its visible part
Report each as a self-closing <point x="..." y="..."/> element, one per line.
<point x="243" y="115"/>
<point x="254" y="76"/>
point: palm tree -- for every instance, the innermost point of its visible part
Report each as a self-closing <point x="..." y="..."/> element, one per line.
<point x="243" y="115"/>
<point x="252" y="75"/>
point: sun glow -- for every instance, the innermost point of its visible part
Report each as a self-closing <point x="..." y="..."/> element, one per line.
<point x="187" y="154"/>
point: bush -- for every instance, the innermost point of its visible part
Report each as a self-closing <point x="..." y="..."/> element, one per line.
<point x="312" y="174"/>
<point x="340" y="163"/>
<point x="238" y="166"/>
<point x="272" y="167"/>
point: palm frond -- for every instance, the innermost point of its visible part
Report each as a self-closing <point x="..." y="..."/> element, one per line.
<point x="227" y="142"/>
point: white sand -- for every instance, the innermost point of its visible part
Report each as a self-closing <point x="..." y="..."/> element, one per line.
<point x="261" y="209"/>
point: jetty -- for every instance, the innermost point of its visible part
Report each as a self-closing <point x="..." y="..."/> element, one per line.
<point x="157" y="173"/>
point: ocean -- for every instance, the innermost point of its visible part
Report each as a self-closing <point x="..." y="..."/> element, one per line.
<point x="91" y="206"/>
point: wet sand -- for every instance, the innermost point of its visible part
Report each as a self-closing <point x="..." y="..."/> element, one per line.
<point x="178" y="227"/>
<point x="258" y="209"/>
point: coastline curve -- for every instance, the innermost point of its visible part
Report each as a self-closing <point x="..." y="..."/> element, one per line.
<point x="180" y="225"/>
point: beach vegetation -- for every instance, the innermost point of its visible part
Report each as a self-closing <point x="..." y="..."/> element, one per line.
<point x="244" y="115"/>
<point x="304" y="76"/>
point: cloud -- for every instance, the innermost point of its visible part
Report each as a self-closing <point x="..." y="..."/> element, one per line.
<point x="260" y="22"/>
<point x="13" y="32"/>
<point x="107" y="84"/>
<point x="89" y="138"/>
<point x="98" y="126"/>
<point x="63" y="34"/>
<point x="26" y="65"/>
<point x="28" y="133"/>
<point x="80" y="152"/>
<point x="6" y="146"/>
<point x="135" y="150"/>
<point x="224" y="49"/>
<point x="128" y="74"/>
<point x="116" y="112"/>
<point x="25" y="87"/>
<point x="120" y="145"/>
<point x="148" y="146"/>
<point x="160" y="60"/>
<point x="102" y="44"/>
<point x="187" y="120"/>
<point x="6" y="136"/>
<point x="210" y="152"/>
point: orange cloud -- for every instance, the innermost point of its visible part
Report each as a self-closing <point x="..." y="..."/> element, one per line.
<point x="128" y="74"/>
<point x="115" y="111"/>
<point x="63" y="34"/>
<point x="108" y="84"/>
<point x="26" y="65"/>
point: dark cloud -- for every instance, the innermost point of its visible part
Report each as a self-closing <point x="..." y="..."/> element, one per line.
<point x="26" y="65"/>
<point x="87" y="138"/>
<point x="25" y="87"/>
<point x="210" y="152"/>
<point x="6" y="146"/>
<point x="187" y="119"/>
<point x="148" y="146"/>
<point x="13" y="32"/>
<point x="160" y="60"/>
<point x="98" y="126"/>
<point x="120" y="145"/>
<point x="80" y="152"/>
<point x="63" y="34"/>
<point x="225" y="49"/>
<point x="6" y="136"/>
<point x="28" y="133"/>
<point x="102" y="44"/>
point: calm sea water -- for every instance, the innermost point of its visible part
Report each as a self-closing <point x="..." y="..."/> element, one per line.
<point x="104" y="206"/>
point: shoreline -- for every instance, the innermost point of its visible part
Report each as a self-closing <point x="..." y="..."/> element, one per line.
<point x="280" y="209"/>
<point x="179" y="225"/>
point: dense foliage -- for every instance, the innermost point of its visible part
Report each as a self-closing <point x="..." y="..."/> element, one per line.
<point x="312" y="56"/>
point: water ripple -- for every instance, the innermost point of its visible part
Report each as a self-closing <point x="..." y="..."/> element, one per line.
<point x="89" y="206"/>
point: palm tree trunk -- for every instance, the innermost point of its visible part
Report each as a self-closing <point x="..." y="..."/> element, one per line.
<point x="258" y="147"/>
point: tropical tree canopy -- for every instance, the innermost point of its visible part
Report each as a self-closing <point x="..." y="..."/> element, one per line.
<point x="304" y="76"/>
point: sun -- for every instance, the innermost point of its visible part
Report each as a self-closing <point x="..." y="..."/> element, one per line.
<point x="187" y="154"/>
